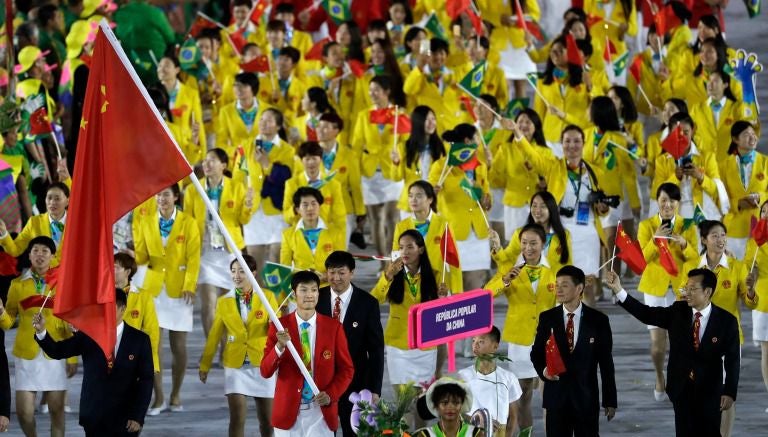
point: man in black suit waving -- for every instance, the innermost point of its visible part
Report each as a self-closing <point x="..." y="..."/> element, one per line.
<point x="359" y="312"/>
<point x="583" y="336"/>
<point x="703" y="340"/>
<point x="114" y="398"/>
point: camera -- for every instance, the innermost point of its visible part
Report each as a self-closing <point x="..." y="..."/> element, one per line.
<point x="566" y="212"/>
<point x="600" y="196"/>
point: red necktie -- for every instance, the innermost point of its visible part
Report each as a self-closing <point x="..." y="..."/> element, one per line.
<point x="696" y="327"/>
<point x="569" y="331"/>
<point x="337" y="309"/>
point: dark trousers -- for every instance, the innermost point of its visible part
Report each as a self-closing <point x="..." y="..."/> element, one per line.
<point x="97" y="431"/>
<point x="567" y="422"/>
<point x="345" y="411"/>
<point x="695" y="415"/>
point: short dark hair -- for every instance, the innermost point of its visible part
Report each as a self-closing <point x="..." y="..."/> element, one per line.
<point x="437" y="45"/>
<point x="494" y="334"/>
<point x="44" y="241"/>
<point x="573" y="272"/>
<point x="127" y="262"/>
<point x="212" y="34"/>
<point x="536" y="229"/>
<point x="284" y="8"/>
<point x="242" y="3"/>
<point x="310" y="148"/>
<point x="572" y="128"/>
<point x="249" y="79"/>
<point x="672" y="190"/>
<point x="250" y="262"/>
<point x="707" y="226"/>
<point x="304" y="277"/>
<point x="291" y="52"/>
<point x="333" y="118"/>
<point x="306" y="192"/>
<point x="121" y="299"/>
<point x="61" y="186"/>
<point x="445" y="391"/>
<point x="340" y="258"/>
<point x="708" y="279"/>
<point x="276" y="26"/>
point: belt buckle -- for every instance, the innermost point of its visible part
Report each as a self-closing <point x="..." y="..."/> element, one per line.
<point x="305" y="406"/>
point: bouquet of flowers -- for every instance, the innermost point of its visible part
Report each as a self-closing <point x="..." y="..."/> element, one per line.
<point x="371" y="419"/>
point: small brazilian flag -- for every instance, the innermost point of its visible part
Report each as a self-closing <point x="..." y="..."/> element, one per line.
<point x="337" y="10"/>
<point x="473" y="81"/>
<point x="461" y="153"/>
<point x="620" y="64"/>
<point x="277" y="277"/>
<point x="515" y="106"/>
<point x="610" y="156"/>
<point x="434" y="27"/>
<point x="191" y="60"/>
<point x="533" y="78"/>
<point x="753" y="7"/>
<point x="698" y="217"/>
<point x="475" y="193"/>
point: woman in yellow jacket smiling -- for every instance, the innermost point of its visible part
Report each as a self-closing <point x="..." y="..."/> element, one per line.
<point x="169" y="246"/>
<point x="464" y="195"/>
<point x="715" y="116"/>
<point x="656" y="284"/>
<point x="185" y="107"/>
<point x="238" y="123"/>
<point x="756" y="259"/>
<point x="745" y="175"/>
<point x="234" y="205"/>
<point x="242" y="318"/>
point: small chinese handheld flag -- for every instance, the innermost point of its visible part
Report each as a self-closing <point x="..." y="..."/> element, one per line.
<point x="111" y="179"/>
<point x="630" y="251"/>
<point x="448" y="247"/>
<point x="356" y="67"/>
<point x="676" y="143"/>
<point x="572" y="51"/>
<point x="759" y="231"/>
<point x="259" y="64"/>
<point x="315" y="53"/>
<point x="665" y="257"/>
<point x="257" y="11"/>
<point x="555" y="364"/>
<point x="636" y="68"/>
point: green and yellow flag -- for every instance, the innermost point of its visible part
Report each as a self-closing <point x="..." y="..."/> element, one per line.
<point x="461" y="153"/>
<point x="337" y="10"/>
<point x="515" y="106"/>
<point x="473" y="81"/>
<point x="434" y="27"/>
<point x="475" y="193"/>
<point x="277" y="277"/>
<point x="620" y="64"/>
<point x="191" y="60"/>
<point x="698" y="217"/>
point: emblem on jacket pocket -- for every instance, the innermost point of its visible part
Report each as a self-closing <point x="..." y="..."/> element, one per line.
<point x="259" y="314"/>
<point x="135" y="314"/>
<point x="591" y="340"/>
<point x="714" y="340"/>
<point x="354" y="324"/>
<point x="230" y="204"/>
<point x="131" y="357"/>
<point x="327" y="354"/>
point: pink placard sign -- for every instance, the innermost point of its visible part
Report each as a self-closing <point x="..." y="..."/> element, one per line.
<point x="449" y="319"/>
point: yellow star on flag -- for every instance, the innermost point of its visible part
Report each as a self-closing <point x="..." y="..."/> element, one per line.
<point x="83" y="122"/>
<point x="104" y="105"/>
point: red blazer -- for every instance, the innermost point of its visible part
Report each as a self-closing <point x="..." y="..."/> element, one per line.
<point x="333" y="370"/>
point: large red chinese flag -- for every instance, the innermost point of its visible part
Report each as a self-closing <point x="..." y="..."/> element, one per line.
<point x="125" y="154"/>
<point x="555" y="364"/>
<point x="630" y="251"/>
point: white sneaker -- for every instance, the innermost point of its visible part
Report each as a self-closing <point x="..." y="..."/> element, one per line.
<point x="659" y="395"/>
<point x="44" y="409"/>
<point x="177" y="408"/>
<point x="68" y="409"/>
<point x="156" y="411"/>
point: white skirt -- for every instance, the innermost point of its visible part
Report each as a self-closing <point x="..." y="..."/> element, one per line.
<point x="264" y="229"/>
<point x="586" y="243"/>
<point x="411" y="366"/>
<point x="514" y="217"/>
<point x="520" y="363"/>
<point x="474" y="253"/>
<point x="173" y="314"/>
<point x="248" y="381"/>
<point x="214" y="268"/>
<point x="516" y="63"/>
<point x="496" y="214"/>
<point x="738" y="246"/>
<point x="378" y="189"/>
<point x="759" y="326"/>
<point x="40" y="374"/>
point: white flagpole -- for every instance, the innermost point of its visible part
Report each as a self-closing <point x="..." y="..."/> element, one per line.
<point x="211" y="209"/>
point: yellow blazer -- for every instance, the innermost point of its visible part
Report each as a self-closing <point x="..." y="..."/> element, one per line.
<point x="245" y="340"/>
<point x="295" y="251"/>
<point x="232" y="209"/>
<point x="502" y="34"/>
<point x="348" y="174"/>
<point x="496" y="140"/>
<point x="693" y="89"/>
<point x="231" y="132"/>
<point x="332" y="211"/>
<point x="761" y="264"/>
<point x="618" y="15"/>
<point x="140" y="314"/>
<point x="507" y="257"/>
<point x="345" y="99"/>
<point x="665" y="172"/>
<point x="555" y="171"/>
<point x="574" y="102"/>
<point x="37" y="225"/>
<point x="401" y="172"/>
<point x="188" y="105"/>
<point x="460" y="210"/>
<point x="649" y="81"/>
<point x="289" y="103"/>
<point x="445" y="104"/>
<point x="25" y="346"/>
<point x="718" y="137"/>
<point x="731" y="287"/>
<point x="281" y="153"/>
<point x="224" y="71"/>
<point x="524" y="303"/>
<point x="622" y="174"/>
<point x="437" y="223"/>
<point x="739" y="221"/>
<point x="521" y="179"/>
<point x="395" y="334"/>
<point x="655" y="280"/>
<point x="494" y="81"/>
<point x="375" y="145"/>
<point x="175" y="264"/>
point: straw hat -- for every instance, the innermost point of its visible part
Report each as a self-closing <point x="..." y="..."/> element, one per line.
<point x="27" y="57"/>
<point x="465" y="407"/>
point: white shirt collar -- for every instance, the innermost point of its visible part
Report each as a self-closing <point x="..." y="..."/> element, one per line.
<point x="345" y="295"/>
<point x="672" y="225"/>
<point x="120" y="328"/>
<point x="723" y="261"/>
<point x="721" y="102"/>
<point x="312" y="320"/>
<point x="254" y="106"/>
<point x="320" y="224"/>
<point x="429" y="216"/>
<point x="62" y="220"/>
<point x="577" y="311"/>
<point x="704" y="313"/>
<point x="542" y="262"/>
<point x="173" y="214"/>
